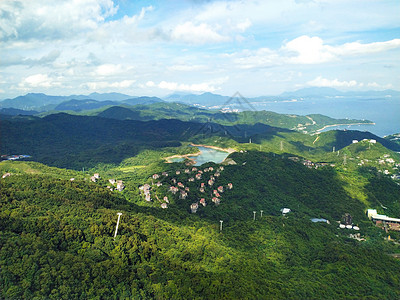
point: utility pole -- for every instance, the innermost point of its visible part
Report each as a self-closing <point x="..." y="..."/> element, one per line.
<point x="281" y="145"/>
<point x="254" y="217"/>
<point x="344" y="159"/>
<point x="333" y="149"/>
<point x="261" y="212"/>
<point x="116" y="228"/>
<point x="220" y="227"/>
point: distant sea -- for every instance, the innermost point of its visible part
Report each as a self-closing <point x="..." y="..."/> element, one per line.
<point x="384" y="112"/>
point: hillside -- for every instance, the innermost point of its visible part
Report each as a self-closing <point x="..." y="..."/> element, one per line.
<point x="184" y="112"/>
<point x="80" y="141"/>
<point x="57" y="238"/>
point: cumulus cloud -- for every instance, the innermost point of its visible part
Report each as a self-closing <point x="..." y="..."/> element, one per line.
<point x="195" y="87"/>
<point x="323" y="82"/>
<point x="39" y="81"/>
<point x="47" y="19"/>
<point x="197" y="34"/>
<point x="99" y="85"/>
<point x="313" y="50"/>
<point x="15" y="59"/>
<point x="307" y="50"/>
<point x="108" y="69"/>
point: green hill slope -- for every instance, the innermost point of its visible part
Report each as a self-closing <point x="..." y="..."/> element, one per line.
<point x="56" y="239"/>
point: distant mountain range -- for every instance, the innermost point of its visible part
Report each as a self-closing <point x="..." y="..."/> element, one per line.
<point x="43" y="102"/>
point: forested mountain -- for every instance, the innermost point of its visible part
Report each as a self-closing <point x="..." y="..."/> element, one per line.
<point x="76" y="141"/>
<point x="57" y="237"/>
<point x="57" y="225"/>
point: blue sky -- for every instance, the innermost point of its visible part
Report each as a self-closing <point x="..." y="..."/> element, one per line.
<point x="159" y="47"/>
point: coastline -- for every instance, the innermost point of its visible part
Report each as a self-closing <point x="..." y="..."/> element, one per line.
<point x="333" y="125"/>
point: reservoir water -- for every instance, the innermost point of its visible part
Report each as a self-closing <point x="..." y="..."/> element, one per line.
<point x="209" y="155"/>
<point x="206" y="155"/>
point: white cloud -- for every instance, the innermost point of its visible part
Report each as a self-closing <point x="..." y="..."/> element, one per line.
<point x="323" y="82"/>
<point x="38" y="80"/>
<point x="308" y="50"/>
<point x="263" y="57"/>
<point x="243" y="26"/>
<point x="211" y="86"/>
<point x="197" y="34"/>
<point x="312" y="50"/>
<point x="100" y="85"/>
<point x="108" y="69"/>
<point x="357" y="48"/>
<point x="48" y="20"/>
<point x="379" y="86"/>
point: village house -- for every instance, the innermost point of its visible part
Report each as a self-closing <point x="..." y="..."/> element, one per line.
<point x="191" y="179"/>
<point x="194" y="169"/>
<point x="230" y="186"/>
<point x="198" y="176"/>
<point x="216" y="200"/>
<point x="164" y="205"/>
<point x="6" y="175"/>
<point x="178" y="172"/>
<point x="156" y="176"/>
<point x="173" y="189"/>
<point x="165" y="174"/>
<point x="220" y="189"/>
<point x="203" y="202"/>
<point x="166" y="199"/>
<point x="202" y="190"/>
<point x="112" y="181"/>
<point x="120" y="185"/>
<point x="72" y="179"/>
<point x="194" y="207"/>
<point x="94" y="179"/>
<point x="96" y="175"/>
<point x="158" y="184"/>
<point x="180" y="184"/>
<point x="187" y="171"/>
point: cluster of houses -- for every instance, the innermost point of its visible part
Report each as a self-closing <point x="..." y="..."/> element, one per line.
<point x="308" y="163"/>
<point x="117" y="185"/>
<point x="205" y="177"/>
